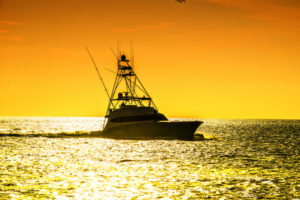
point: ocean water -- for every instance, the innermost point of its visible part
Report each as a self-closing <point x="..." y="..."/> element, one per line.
<point x="241" y="159"/>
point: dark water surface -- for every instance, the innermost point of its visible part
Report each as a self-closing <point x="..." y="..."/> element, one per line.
<point x="250" y="159"/>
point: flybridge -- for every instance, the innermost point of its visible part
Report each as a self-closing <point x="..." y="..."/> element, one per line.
<point x="128" y="89"/>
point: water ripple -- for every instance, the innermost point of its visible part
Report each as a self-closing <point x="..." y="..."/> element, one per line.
<point x="252" y="159"/>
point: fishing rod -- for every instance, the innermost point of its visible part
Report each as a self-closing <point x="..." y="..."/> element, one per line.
<point x="98" y="73"/>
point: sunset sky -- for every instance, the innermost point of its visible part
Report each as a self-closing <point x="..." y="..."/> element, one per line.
<point x="202" y="58"/>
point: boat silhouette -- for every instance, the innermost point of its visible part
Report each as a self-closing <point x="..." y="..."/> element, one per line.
<point x="132" y="114"/>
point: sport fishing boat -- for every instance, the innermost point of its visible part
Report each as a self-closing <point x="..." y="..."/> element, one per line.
<point x="132" y="114"/>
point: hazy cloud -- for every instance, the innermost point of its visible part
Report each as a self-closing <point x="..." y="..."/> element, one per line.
<point x="7" y="34"/>
<point x="5" y="22"/>
<point x="4" y="31"/>
<point x="161" y="25"/>
<point x="13" y="37"/>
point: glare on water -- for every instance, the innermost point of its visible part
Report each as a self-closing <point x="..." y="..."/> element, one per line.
<point x="252" y="159"/>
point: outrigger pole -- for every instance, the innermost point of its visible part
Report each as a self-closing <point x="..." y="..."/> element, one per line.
<point x="98" y="74"/>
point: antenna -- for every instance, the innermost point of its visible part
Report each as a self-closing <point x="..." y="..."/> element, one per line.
<point x="98" y="73"/>
<point x="130" y="44"/>
<point x="118" y="49"/>
<point x="131" y="54"/>
<point x="114" y="52"/>
<point x="110" y="70"/>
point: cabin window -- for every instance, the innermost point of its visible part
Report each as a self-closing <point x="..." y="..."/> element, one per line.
<point x="137" y="118"/>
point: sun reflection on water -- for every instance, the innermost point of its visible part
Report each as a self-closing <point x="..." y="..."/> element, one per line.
<point x="234" y="167"/>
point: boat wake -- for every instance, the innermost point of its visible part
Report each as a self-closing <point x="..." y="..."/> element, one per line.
<point x="48" y="135"/>
<point x="93" y="134"/>
<point x="206" y="136"/>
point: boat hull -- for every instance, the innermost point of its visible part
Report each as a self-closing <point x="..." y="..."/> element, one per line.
<point x="153" y="130"/>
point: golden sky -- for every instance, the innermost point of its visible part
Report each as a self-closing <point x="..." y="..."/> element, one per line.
<point x="202" y="58"/>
